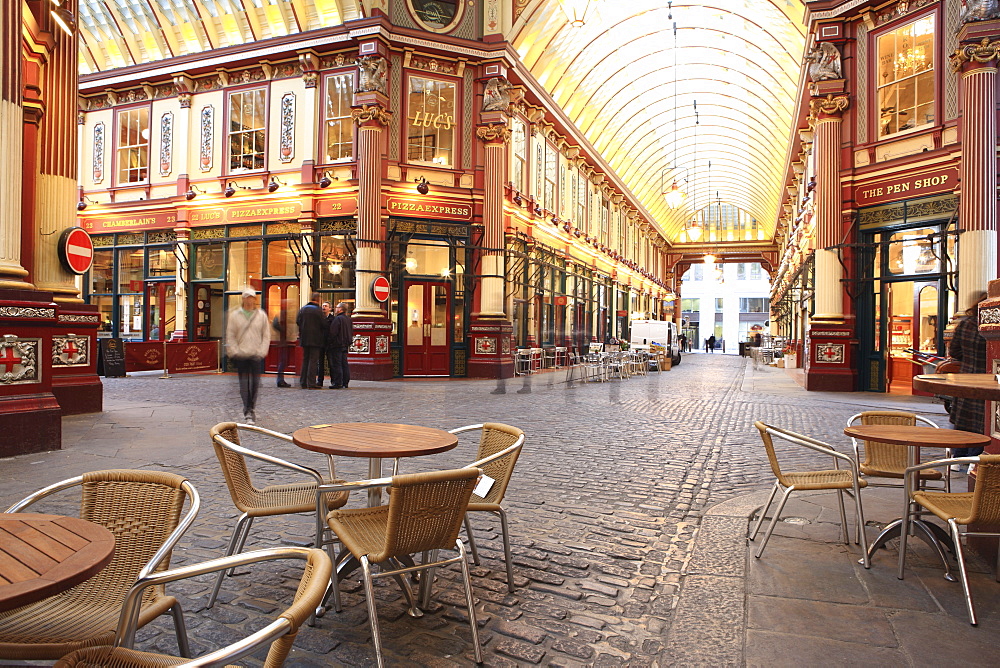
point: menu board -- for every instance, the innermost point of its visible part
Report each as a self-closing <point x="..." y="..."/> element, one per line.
<point x="112" y="358"/>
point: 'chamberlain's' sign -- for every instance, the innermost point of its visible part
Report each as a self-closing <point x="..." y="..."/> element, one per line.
<point x="909" y="186"/>
<point x="428" y="208"/>
<point x="129" y="222"/>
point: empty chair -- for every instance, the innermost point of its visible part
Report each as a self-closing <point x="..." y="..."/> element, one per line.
<point x="790" y="481"/>
<point x="280" y="633"/>
<point x="424" y="514"/>
<point x="270" y="500"/>
<point x="499" y="448"/>
<point x="145" y="512"/>
<point x="979" y="507"/>
<point x="888" y="461"/>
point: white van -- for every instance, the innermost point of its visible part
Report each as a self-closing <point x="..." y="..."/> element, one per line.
<point x="662" y="332"/>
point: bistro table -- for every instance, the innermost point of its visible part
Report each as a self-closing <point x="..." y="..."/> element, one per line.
<point x="42" y="555"/>
<point x="374" y="440"/>
<point x="965" y="385"/>
<point x="916" y="438"/>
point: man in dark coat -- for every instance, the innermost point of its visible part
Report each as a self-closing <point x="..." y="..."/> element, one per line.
<point x="969" y="347"/>
<point x="311" y="325"/>
<point x="341" y="338"/>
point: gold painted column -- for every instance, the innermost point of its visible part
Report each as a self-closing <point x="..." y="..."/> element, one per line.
<point x="183" y="254"/>
<point x="12" y="274"/>
<point x="371" y="120"/>
<point x="977" y="207"/>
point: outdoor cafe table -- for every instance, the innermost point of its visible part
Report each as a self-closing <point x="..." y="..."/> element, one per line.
<point x="966" y="385"/>
<point x="42" y="555"/>
<point x="915" y="438"/>
<point x="375" y="441"/>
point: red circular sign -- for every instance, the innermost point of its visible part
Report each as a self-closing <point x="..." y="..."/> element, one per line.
<point x="380" y="288"/>
<point x="76" y="250"/>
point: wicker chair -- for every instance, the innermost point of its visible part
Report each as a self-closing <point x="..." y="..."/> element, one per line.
<point x="424" y="514"/>
<point x="143" y="509"/>
<point x="269" y="501"/>
<point x="885" y="460"/>
<point x="280" y="633"/>
<point x="791" y="481"/>
<point x="981" y="507"/>
<point x="499" y="448"/>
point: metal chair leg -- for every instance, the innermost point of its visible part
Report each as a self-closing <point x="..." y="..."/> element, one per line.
<point x="763" y="511"/>
<point x="372" y="614"/>
<point x="960" y="556"/>
<point x="472" y="539"/>
<point x="180" y="629"/>
<point x="506" y="549"/>
<point x="843" y="517"/>
<point x="233" y="541"/>
<point x="467" y="581"/>
<point x="774" y="520"/>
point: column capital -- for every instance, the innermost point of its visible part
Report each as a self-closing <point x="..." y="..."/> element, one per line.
<point x="829" y="106"/>
<point x="493" y="133"/>
<point x="371" y="115"/>
<point x="985" y="51"/>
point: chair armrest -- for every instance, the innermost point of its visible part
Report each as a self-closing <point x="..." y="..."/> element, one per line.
<point x="942" y="462"/>
<point x="185" y="522"/>
<point x="813" y="444"/>
<point x="262" y="430"/>
<point x="42" y="493"/>
<point x="270" y="459"/>
<point x="497" y="455"/>
<point x="462" y="430"/>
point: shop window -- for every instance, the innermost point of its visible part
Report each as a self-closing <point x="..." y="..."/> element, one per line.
<point x="906" y="77"/>
<point x="161" y="261"/>
<point x="280" y="259"/>
<point x="133" y="145"/>
<point x="244" y="265"/>
<point x="913" y="252"/>
<point x="431" y="122"/>
<point x="519" y="148"/>
<point x="130" y="274"/>
<point x="428" y="258"/>
<point x="102" y="275"/>
<point x="247" y="120"/>
<point x="581" y="199"/>
<point x="339" y="125"/>
<point x="208" y="261"/>
<point x="551" y="177"/>
<point x="337" y="268"/>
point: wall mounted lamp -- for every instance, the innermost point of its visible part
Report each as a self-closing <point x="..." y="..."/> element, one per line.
<point x="63" y="17"/>
<point x="232" y="188"/>
<point x="274" y="184"/>
<point x="326" y="180"/>
<point x="84" y="201"/>
<point x="422" y="186"/>
<point x="193" y="192"/>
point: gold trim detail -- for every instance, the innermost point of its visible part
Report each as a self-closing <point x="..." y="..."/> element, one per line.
<point x="493" y="132"/>
<point x="828" y="104"/>
<point x="371" y="112"/>
<point x="983" y="52"/>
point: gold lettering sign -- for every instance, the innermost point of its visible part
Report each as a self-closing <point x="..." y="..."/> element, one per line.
<point x="424" y="208"/>
<point x="422" y="119"/>
<point x="907" y="187"/>
<point x="139" y="221"/>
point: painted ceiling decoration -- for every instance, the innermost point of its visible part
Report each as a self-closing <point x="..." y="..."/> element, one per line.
<point x="691" y="104"/>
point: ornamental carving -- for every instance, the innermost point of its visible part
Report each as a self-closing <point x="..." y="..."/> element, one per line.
<point x="73" y="317"/>
<point x="373" y="74"/>
<point x="166" y="142"/>
<point x="494" y="132"/>
<point x="19" y="360"/>
<point x="207" y="130"/>
<point x="486" y="346"/>
<point x="371" y="112"/>
<point x="829" y="104"/>
<point x="287" y="139"/>
<point x="185" y="100"/>
<point x="824" y="63"/>
<point x="98" y="152"/>
<point x="360" y="345"/>
<point x="381" y="345"/>
<point x="983" y="52"/>
<point x="70" y="350"/>
<point x="496" y="96"/>
<point x="27" y="312"/>
<point x="310" y="79"/>
<point x="979" y="10"/>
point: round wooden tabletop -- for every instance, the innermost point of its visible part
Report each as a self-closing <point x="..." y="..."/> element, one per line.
<point x="42" y="555"/>
<point x="965" y="385"/>
<point x="374" y="439"/>
<point x="917" y="436"/>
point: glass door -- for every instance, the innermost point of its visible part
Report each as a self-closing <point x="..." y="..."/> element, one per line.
<point x="161" y="313"/>
<point x="281" y="303"/>
<point x="426" y="346"/>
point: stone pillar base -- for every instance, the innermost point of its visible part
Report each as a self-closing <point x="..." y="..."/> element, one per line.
<point x="30" y="423"/>
<point x="75" y="382"/>
<point x="829" y="358"/>
<point x="490" y="341"/>
<point x="369" y="356"/>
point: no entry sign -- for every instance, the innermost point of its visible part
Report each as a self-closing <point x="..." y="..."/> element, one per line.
<point x="380" y="288"/>
<point x="76" y="250"/>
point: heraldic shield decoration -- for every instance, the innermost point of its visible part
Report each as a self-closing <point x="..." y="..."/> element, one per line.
<point x="19" y="360"/>
<point x="70" y="350"/>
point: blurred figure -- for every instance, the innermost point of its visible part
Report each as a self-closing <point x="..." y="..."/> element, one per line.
<point x="248" y="336"/>
<point x="710" y="344"/>
<point x="341" y="338"/>
<point x="311" y="338"/>
<point x="327" y="352"/>
<point x="280" y="324"/>
<point x="968" y="347"/>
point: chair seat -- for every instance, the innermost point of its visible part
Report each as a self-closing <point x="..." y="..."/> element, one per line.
<point x="830" y="479"/>
<point x="288" y="499"/>
<point x="104" y="656"/>
<point x="362" y="530"/>
<point x="926" y="474"/>
<point x="956" y="505"/>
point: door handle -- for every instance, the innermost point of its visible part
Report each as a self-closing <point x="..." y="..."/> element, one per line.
<point x="427" y="330"/>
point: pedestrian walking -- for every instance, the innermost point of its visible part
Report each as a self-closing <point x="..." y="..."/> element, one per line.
<point x="248" y="336"/>
<point x="341" y="338"/>
<point x="311" y="325"/>
<point x="968" y="347"/>
<point x="682" y="341"/>
<point x="710" y="344"/>
<point x="283" y="344"/>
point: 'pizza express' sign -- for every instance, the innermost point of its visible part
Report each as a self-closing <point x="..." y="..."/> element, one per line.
<point x="908" y="186"/>
<point x="428" y="208"/>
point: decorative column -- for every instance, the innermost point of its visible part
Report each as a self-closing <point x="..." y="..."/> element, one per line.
<point x="12" y="274"/>
<point x="182" y="253"/>
<point x="370" y="357"/>
<point x="829" y="338"/>
<point x="491" y="331"/>
<point x="976" y="63"/>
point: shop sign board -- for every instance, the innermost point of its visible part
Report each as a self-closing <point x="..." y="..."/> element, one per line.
<point x="133" y="221"/>
<point x="193" y="356"/>
<point x="426" y="207"/>
<point x="906" y="186"/>
<point x="343" y="205"/>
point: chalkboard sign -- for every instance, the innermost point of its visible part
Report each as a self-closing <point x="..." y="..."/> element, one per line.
<point x="113" y="357"/>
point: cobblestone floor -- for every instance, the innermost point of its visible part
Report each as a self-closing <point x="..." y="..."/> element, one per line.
<point x="604" y="506"/>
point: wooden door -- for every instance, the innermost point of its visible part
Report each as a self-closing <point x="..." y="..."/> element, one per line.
<point x="426" y="345"/>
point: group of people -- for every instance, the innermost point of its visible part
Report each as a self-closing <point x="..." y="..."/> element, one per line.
<point x="325" y="333"/>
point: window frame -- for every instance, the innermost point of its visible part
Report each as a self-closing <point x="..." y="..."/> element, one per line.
<point x="456" y="140"/>
<point x="873" y="44"/>
<point x="148" y="108"/>
<point x="522" y="159"/>
<point x="266" y="104"/>
<point x="325" y="134"/>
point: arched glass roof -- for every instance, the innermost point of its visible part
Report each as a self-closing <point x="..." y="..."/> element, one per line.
<point x="701" y="95"/>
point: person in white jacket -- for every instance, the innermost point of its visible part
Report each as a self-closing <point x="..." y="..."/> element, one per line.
<point x="248" y="336"/>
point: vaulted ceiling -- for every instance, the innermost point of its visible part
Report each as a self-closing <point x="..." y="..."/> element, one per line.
<point x="693" y="97"/>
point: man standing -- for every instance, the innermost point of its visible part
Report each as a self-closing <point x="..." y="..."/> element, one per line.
<point x="327" y="353"/>
<point x="280" y="324"/>
<point x="341" y="338"/>
<point x="969" y="347"/>
<point x="248" y="336"/>
<point x="310" y="321"/>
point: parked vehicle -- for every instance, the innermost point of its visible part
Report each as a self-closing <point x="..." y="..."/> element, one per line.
<point x="657" y="332"/>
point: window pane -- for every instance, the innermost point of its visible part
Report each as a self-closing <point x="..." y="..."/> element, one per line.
<point x="133" y="145"/>
<point x="246" y="130"/>
<point x="906" y="77"/>
<point x="161" y="262"/>
<point x="130" y="275"/>
<point x="431" y="121"/>
<point x="280" y="259"/>
<point x="244" y="264"/>
<point x="914" y="252"/>
<point x="208" y="261"/>
<point x="339" y="126"/>
<point x="101" y="272"/>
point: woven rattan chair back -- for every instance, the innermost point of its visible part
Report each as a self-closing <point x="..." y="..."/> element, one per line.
<point x="234" y="467"/>
<point x="886" y="456"/>
<point x="495" y="438"/>
<point x="772" y="457"/>
<point x="986" y="498"/>
<point x="426" y="511"/>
